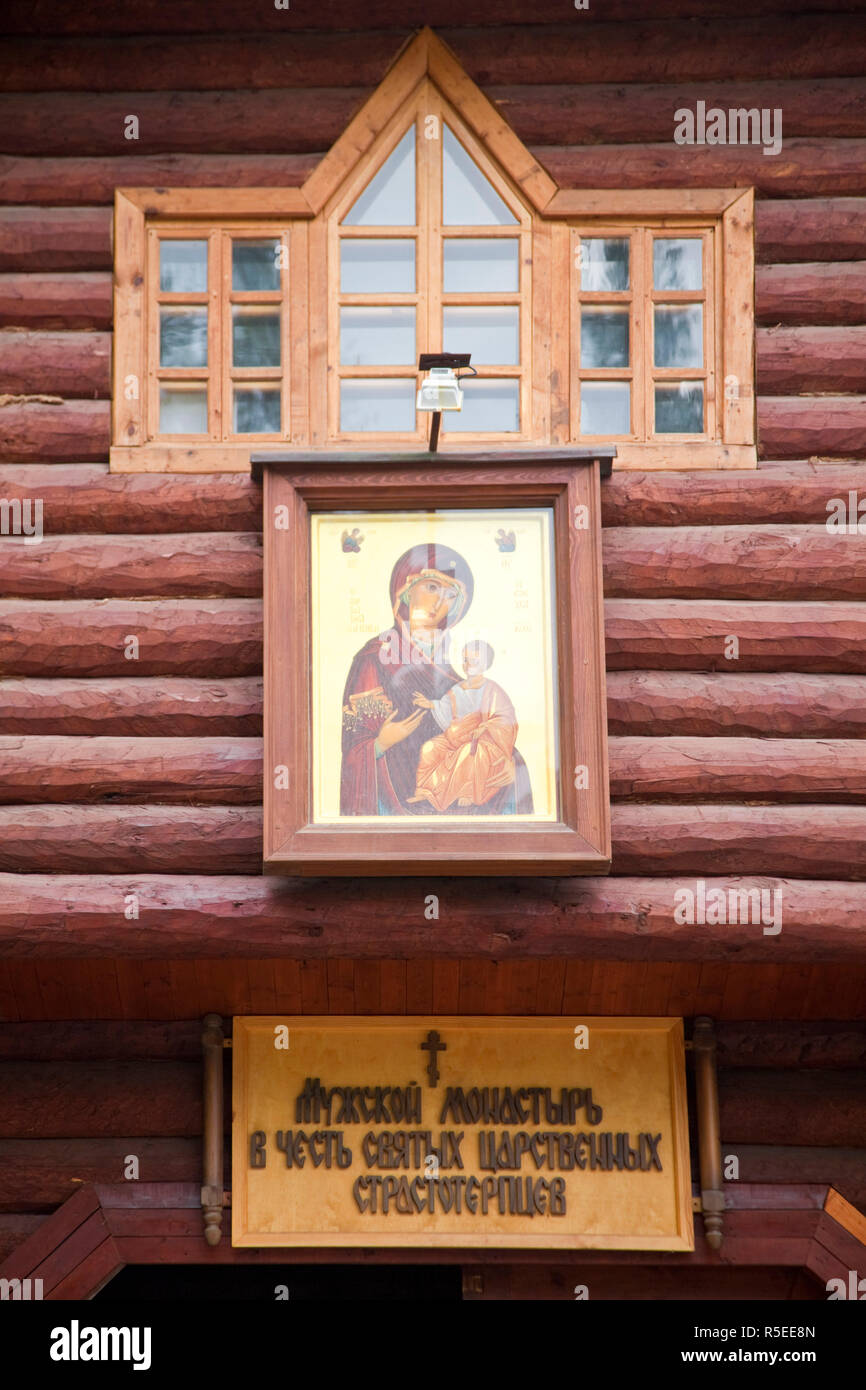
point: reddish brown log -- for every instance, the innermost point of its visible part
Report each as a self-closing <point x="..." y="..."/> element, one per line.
<point x="60" y="182"/>
<point x="792" y="1107"/>
<point x="40" y="239"/>
<point x="72" y="1100"/>
<point x="15" y="1229"/>
<point x="779" y="769"/>
<point x="155" y="707"/>
<point x="181" y="637"/>
<point x="39" y="1174"/>
<point x="591" y="919"/>
<point x="87" y="497"/>
<point x="819" y="293"/>
<point x="844" y="1169"/>
<point x="793" y="360"/>
<point x="110" y="1039"/>
<point x="814" y="841"/>
<point x="62" y="430"/>
<point x="774" y="492"/>
<point x="135" y="839"/>
<point x="749" y="562"/>
<point x="214" y="771"/>
<point x="779" y="1044"/>
<point x="659" y="703"/>
<point x="63" y="364"/>
<point x="806" y="168"/>
<point x="834" y="425"/>
<point x="811" y="841"/>
<point x="63" y="299"/>
<point x="134" y="566"/>
<point x="666" y="634"/>
<point x="247" y="16"/>
<point x="645" y="51"/>
<point x="811" y="229"/>
<point x="310" y="118"/>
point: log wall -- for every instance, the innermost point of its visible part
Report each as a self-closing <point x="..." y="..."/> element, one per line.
<point x="115" y="773"/>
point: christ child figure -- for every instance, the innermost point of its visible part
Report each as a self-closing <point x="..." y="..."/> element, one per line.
<point x="472" y="759"/>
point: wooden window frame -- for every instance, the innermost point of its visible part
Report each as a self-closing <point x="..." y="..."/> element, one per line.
<point x="579" y="842"/>
<point x="427" y="80"/>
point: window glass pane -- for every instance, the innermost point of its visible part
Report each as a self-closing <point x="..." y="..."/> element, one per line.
<point x="680" y="407"/>
<point x="370" y="265"/>
<point x="604" y="263"/>
<point x="605" y="407"/>
<point x="183" y="337"/>
<point x="604" y="337"/>
<point x="257" y="410"/>
<point x="183" y="409"/>
<point x="379" y="337"/>
<point x="377" y="406"/>
<point x="488" y="407"/>
<point x="678" y="340"/>
<point x="389" y="198"/>
<point x="490" y="332"/>
<point x="469" y="199"/>
<point x="483" y="266"/>
<point x="677" y="263"/>
<point x="255" y="337"/>
<point x="255" y="265"/>
<point x="183" y="266"/>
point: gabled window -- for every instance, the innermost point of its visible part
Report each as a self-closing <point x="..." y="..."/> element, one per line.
<point x="295" y="317"/>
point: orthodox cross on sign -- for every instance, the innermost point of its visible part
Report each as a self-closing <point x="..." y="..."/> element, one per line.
<point x="433" y="1045"/>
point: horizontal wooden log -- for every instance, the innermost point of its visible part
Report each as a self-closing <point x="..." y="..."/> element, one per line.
<point x="160" y="839"/>
<point x="36" y="1175"/>
<point x="102" y="18"/>
<point x="726" y="562"/>
<point x="56" y="299"/>
<point x="807" y="167"/>
<point x="815" y="841"/>
<point x="792" y="1107"/>
<point x="40" y="239"/>
<point x="795" y="360"/>
<point x="134" y="566"/>
<point x="214" y="771"/>
<point x="842" y="1168"/>
<point x="812" y="293"/>
<point x="153" y="707"/>
<point x="666" y="634"/>
<point x="834" y="425"/>
<point x="34" y="429"/>
<point x="810" y="841"/>
<point x="685" y="704"/>
<point x="645" y="51"/>
<point x="776" y="1043"/>
<point x="61" y="182"/>
<point x="64" y="364"/>
<point x="810" y="229"/>
<point x="307" y="117"/>
<point x="86" y="497"/>
<point x="59" y="916"/>
<point x="144" y="1040"/>
<point x="74" y="1100"/>
<point x="181" y="637"/>
<point x="228" y="771"/>
<point x="194" y="637"/>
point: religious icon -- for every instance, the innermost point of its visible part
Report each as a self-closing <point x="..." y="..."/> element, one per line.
<point x="351" y="542"/>
<point x="506" y="540"/>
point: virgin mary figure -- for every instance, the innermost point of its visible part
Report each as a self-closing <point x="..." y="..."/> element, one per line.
<point x="384" y="729"/>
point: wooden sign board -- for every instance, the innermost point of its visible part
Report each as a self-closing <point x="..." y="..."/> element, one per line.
<point x="465" y="1132"/>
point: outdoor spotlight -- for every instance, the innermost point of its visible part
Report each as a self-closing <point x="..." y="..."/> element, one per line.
<point x="440" y="389"/>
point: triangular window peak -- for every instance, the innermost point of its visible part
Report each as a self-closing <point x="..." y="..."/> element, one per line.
<point x="468" y="198"/>
<point x="389" y="198"/>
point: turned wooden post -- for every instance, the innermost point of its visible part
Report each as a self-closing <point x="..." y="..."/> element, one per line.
<point x="709" y="1140"/>
<point x="212" y="1128"/>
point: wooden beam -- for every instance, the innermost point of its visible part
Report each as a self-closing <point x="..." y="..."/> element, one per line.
<point x="617" y="918"/>
<point x="775" y="492"/>
<point x="220" y="770"/>
<point x="796" y="360"/>
<point x="692" y="704"/>
<point x="93" y="179"/>
<point x="15" y="1229"/>
<point x="776" y="1043"/>
<point x="185" y="566"/>
<point x="56" y="299"/>
<point x="88" y="497"/>
<point x="77" y="1100"/>
<point x="724" y="768"/>
<point x="54" y="428"/>
<point x="67" y="364"/>
<point x="105" y="1040"/>
<point x="792" y="1107"/>
<point x="819" y="293"/>
<point x="145" y="708"/>
<point x="810" y="425"/>
<point x="811" y="229"/>
<point x="53" y="239"/>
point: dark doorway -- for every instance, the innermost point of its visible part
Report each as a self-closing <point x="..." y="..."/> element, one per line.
<point x="258" y="1283"/>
